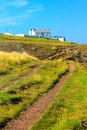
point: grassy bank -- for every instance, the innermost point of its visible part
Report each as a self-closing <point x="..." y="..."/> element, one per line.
<point x="38" y="47"/>
<point x="18" y="39"/>
<point x="9" y="60"/>
<point x="23" y="93"/>
<point x="14" y="65"/>
<point x="69" y="109"/>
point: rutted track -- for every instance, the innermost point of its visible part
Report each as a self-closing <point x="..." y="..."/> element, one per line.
<point x="34" y="69"/>
<point x="25" y="121"/>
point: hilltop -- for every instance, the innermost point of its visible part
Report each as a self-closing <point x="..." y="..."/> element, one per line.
<point x="44" y="48"/>
<point x="31" y="68"/>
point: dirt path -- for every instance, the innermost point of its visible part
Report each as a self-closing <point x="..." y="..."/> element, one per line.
<point x="34" y="69"/>
<point x="25" y="121"/>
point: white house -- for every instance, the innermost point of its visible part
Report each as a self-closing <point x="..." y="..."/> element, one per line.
<point x="20" y="35"/>
<point x="32" y="32"/>
<point x="40" y="33"/>
<point x="60" y="38"/>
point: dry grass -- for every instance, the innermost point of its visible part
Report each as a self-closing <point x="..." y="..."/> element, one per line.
<point x="7" y="60"/>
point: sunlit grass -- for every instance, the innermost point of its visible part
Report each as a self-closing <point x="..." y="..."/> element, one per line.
<point x="18" y="39"/>
<point x="9" y="59"/>
<point x="69" y="108"/>
<point x="23" y="93"/>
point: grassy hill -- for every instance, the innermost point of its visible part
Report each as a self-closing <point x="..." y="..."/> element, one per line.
<point x="28" y="40"/>
<point x="44" y="48"/>
<point x="38" y="47"/>
<point x="30" y="67"/>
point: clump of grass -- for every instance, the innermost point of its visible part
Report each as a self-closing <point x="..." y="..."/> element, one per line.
<point x="8" y="60"/>
<point x="4" y="66"/>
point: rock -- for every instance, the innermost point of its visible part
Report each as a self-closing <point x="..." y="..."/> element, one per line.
<point x="84" y="123"/>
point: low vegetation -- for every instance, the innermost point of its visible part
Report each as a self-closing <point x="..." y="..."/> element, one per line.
<point x="28" y="40"/>
<point x="23" y="93"/>
<point x="9" y="60"/>
<point x="41" y="48"/>
<point x="69" y="109"/>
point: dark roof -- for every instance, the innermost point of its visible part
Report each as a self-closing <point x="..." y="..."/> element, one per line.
<point x="42" y="31"/>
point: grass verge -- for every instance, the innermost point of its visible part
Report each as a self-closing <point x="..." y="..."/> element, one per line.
<point x="69" y="109"/>
<point x="23" y="93"/>
<point x="26" y="40"/>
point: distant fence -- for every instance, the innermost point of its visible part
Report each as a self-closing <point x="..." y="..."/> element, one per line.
<point x="51" y="38"/>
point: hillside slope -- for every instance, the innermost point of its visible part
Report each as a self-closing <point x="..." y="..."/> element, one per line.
<point x="44" y="48"/>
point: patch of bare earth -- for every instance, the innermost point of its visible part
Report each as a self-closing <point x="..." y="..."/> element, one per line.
<point x="30" y="116"/>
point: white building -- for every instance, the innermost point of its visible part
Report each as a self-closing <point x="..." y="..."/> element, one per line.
<point x="60" y="38"/>
<point x="8" y="34"/>
<point x="40" y="33"/>
<point x="20" y="35"/>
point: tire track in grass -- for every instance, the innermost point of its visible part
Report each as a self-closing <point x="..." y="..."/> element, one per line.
<point x="34" y="69"/>
<point x="31" y="114"/>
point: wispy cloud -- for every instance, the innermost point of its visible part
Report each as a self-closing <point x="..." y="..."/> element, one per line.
<point x="13" y="3"/>
<point x="15" y="12"/>
<point x="35" y="8"/>
<point x="17" y="3"/>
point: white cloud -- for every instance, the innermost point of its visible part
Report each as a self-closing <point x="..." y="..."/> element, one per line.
<point x="13" y="3"/>
<point x="35" y="9"/>
<point x="16" y="16"/>
<point x="17" y="3"/>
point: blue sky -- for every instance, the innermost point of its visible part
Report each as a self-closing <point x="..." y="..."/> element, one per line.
<point x="64" y="17"/>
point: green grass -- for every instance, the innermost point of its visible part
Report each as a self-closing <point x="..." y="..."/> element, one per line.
<point x="17" y="39"/>
<point x="69" y="109"/>
<point x="17" y="72"/>
<point x="23" y="93"/>
<point x="38" y="47"/>
<point x="14" y="65"/>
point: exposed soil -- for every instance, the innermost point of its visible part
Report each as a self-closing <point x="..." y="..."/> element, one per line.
<point x="31" y="114"/>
